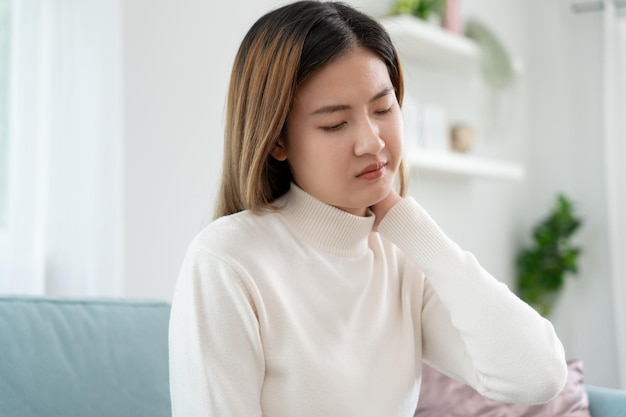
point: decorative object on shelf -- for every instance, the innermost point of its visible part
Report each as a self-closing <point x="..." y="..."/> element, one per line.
<point x="499" y="72"/>
<point x="424" y="9"/>
<point x="462" y="137"/>
<point x="495" y="61"/>
<point x="542" y="268"/>
<point x="452" y="20"/>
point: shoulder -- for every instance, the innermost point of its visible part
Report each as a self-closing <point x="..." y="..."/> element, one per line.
<point x="240" y="232"/>
<point x="230" y="247"/>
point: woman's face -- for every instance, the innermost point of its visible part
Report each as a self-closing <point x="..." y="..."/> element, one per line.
<point x="344" y="133"/>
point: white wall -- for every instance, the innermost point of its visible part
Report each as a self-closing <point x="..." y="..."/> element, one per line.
<point x="177" y="58"/>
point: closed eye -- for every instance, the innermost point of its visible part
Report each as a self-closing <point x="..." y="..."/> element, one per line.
<point x="333" y="128"/>
<point x="385" y="111"/>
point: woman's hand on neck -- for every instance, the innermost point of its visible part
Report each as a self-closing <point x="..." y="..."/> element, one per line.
<point x="381" y="208"/>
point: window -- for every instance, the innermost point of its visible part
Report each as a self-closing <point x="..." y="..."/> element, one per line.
<point x="4" y="107"/>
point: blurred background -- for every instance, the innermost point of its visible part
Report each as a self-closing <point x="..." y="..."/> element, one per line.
<point x="111" y="117"/>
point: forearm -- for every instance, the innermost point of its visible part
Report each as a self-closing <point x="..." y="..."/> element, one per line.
<point x="501" y="346"/>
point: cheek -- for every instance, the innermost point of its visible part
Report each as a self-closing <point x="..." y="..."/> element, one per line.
<point x="393" y="133"/>
<point x="305" y="151"/>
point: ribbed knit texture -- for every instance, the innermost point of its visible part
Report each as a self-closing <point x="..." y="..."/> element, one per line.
<point x="306" y="312"/>
<point x="326" y="227"/>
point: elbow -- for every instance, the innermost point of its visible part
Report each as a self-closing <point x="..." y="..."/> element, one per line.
<point x="551" y="381"/>
<point x="548" y="374"/>
<point x="543" y="381"/>
<point x="547" y="388"/>
<point x="544" y="372"/>
<point x="538" y="382"/>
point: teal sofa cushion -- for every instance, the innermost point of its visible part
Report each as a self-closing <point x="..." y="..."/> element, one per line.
<point x="83" y="357"/>
<point x="606" y="402"/>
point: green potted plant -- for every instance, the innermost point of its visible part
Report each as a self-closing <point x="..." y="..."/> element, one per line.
<point x="543" y="267"/>
<point x="423" y="9"/>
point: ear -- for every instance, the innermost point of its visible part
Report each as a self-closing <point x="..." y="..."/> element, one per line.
<point x="279" y="152"/>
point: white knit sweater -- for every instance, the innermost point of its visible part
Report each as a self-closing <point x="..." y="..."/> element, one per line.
<point x="305" y="312"/>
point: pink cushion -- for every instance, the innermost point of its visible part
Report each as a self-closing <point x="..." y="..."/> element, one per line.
<point x="444" y="396"/>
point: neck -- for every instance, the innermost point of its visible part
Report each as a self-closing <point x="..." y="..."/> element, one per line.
<point x="324" y="226"/>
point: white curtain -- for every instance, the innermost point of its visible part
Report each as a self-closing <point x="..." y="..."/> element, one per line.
<point x="65" y="233"/>
<point x="615" y="137"/>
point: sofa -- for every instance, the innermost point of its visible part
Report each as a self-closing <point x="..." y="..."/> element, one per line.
<point x="66" y="357"/>
<point x="83" y="358"/>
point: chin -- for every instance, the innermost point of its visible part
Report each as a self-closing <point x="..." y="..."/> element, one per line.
<point x="377" y="194"/>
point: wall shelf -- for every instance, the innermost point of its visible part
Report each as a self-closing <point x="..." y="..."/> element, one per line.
<point x="424" y="42"/>
<point x="420" y="43"/>
<point x="456" y="164"/>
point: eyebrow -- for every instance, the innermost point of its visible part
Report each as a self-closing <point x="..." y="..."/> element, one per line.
<point x="339" y="107"/>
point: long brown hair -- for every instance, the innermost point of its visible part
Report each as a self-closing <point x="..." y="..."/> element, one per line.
<point x="278" y="53"/>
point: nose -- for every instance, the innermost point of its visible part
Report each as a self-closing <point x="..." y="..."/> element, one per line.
<point x="368" y="140"/>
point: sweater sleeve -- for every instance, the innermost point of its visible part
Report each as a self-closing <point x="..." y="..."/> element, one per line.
<point x="216" y="358"/>
<point x="473" y="327"/>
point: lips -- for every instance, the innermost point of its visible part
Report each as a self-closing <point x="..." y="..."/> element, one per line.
<point x="372" y="170"/>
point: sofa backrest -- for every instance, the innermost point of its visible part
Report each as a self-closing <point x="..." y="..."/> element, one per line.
<point x="83" y="357"/>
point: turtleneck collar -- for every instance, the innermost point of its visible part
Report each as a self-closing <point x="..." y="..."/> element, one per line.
<point x="324" y="226"/>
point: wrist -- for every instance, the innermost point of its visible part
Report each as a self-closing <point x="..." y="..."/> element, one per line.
<point x="381" y="208"/>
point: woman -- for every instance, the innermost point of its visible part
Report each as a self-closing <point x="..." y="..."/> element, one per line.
<point x="319" y="289"/>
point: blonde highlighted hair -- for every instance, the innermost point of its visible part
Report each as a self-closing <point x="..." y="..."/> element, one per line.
<point x="278" y="53"/>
